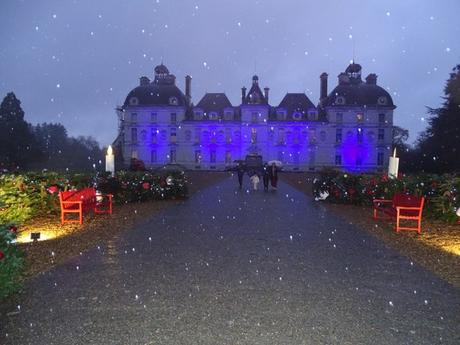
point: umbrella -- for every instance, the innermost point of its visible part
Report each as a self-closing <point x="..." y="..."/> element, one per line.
<point x="275" y="162"/>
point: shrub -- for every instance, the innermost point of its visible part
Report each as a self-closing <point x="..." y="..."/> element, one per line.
<point x="441" y="192"/>
<point x="11" y="261"/>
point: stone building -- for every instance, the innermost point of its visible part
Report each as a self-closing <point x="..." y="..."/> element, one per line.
<point x="350" y="128"/>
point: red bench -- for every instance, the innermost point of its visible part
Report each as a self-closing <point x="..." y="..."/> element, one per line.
<point x="402" y="206"/>
<point x="83" y="201"/>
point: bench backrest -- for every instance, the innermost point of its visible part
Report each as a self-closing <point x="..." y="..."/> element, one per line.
<point x="87" y="195"/>
<point x="400" y="199"/>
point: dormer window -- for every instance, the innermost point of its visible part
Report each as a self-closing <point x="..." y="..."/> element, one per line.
<point x="197" y="115"/>
<point x="173" y="101"/>
<point x="297" y="116"/>
<point x="280" y="115"/>
<point x="134" y="101"/>
<point x="382" y="100"/>
<point x="213" y="115"/>
<point x="340" y="100"/>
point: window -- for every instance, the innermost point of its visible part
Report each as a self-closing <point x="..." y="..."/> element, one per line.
<point x="359" y="117"/>
<point x="359" y="160"/>
<point x="197" y="135"/>
<point x="134" y="117"/>
<point x="133" y="101"/>
<point x="381" y="119"/>
<point x="311" y="158"/>
<point x="153" y="156"/>
<point x="134" y="154"/>
<point x="228" y="135"/>
<point x="340" y="100"/>
<point x="312" y="136"/>
<point x="338" y="159"/>
<point x="253" y="135"/>
<point x="339" y="117"/>
<point x="281" y="136"/>
<point x="172" y="156"/>
<point x="143" y="136"/>
<point x="173" y="100"/>
<point x="173" y="136"/>
<point x="228" y="157"/>
<point x="380" y="158"/>
<point x="173" y="117"/>
<point x="212" y="156"/>
<point x="280" y="115"/>
<point x="359" y="136"/>
<point x="381" y="134"/>
<point x="134" y="135"/>
<point x="382" y="100"/>
<point x="153" y="117"/>
<point x="254" y="117"/>
<point x="198" y="157"/>
<point x="228" y="115"/>
<point x="297" y="116"/>
<point x="188" y="135"/>
<point x="154" y="135"/>
<point x="322" y="136"/>
<point x="197" y="115"/>
<point x="213" y="115"/>
<point x="338" y="135"/>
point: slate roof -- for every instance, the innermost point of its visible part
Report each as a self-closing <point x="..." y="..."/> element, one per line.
<point x="359" y="94"/>
<point x="296" y="102"/>
<point x="156" y="94"/>
<point x="214" y="102"/>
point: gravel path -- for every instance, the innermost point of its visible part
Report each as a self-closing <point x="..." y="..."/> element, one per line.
<point x="237" y="267"/>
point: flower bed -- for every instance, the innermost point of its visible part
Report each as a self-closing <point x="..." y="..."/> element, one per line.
<point x="11" y="261"/>
<point x="441" y="192"/>
<point x="23" y="196"/>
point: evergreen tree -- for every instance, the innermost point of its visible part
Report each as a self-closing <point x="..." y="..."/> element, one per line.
<point x="18" y="147"/>
<point x="439" y="145"/>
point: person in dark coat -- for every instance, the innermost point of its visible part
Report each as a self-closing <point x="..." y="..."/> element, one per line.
<point x="266" y="175"/>
<point x="273" y="171"/>
<point x="240" y="169"/>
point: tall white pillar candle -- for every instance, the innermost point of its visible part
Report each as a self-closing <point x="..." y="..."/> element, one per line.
<point x="110" y="161"/>
<point x="393" y="166"/>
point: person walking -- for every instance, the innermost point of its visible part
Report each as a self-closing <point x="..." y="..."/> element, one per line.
<point x="274" y="176"/>
<point x="255" y="181"/>
<point x="240" y="171"/>
<point x="266" y="175"/>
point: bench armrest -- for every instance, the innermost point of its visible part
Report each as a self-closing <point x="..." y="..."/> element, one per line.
<point x="382" y="201"/>
<point x="417" y="208"/>
<point x="72" y="202"/>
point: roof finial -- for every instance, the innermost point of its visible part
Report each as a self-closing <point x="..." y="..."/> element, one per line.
<point x="255" y="66"/>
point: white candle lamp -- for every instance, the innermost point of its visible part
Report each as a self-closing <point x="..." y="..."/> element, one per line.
<point x="393" y="166"/>
<point x="110" y="161"/>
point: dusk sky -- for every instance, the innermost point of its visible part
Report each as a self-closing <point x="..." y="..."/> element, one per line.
<point x="74" y="61"/>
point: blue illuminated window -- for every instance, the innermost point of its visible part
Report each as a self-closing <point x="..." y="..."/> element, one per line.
<point x="134" y="117"/>
<point x="338" y="159"/>
<point x="338" y="135"/>
<point x="153" y="156"/>
<point x="360" y="136"/>
<point x="172" y="156"/>
<point x="339" y="117"/>
<point x="153" y="117"/>
<point x="134" y="135"/>
<point x="173" y="117"/>
<point x="380" y="158"/>
<point x="381" y="134"/>
<point x="381" y="119"/>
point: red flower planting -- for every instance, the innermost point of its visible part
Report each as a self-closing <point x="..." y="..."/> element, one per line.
<point x="52" y="189"/>
<point x="146" y="185"/>
<point x="13" y="228"/>
<point x="1" y="255"/>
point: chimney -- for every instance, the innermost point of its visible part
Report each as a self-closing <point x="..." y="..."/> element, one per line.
<point x="144" y="81"/>
<point x="323" y="86"/>
<point x="371" y="79"/>
<point x="188" y="87"/>
<point x="266" y="89"/>
<point x="243" y="94"/>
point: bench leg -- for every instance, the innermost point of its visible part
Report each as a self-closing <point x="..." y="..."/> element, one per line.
<point x="397" y="223"/>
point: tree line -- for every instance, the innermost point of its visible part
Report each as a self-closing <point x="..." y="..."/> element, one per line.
<point x="437" y="149"/>
<point x="24" y="146"/>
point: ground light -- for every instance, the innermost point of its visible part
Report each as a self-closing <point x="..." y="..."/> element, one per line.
<point x="40" y="235"/>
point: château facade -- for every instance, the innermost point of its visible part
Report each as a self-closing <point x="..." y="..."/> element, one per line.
<point x="351" y="127"/>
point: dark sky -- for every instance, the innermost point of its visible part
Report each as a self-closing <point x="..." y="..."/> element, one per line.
<point x="74" y="61"/>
